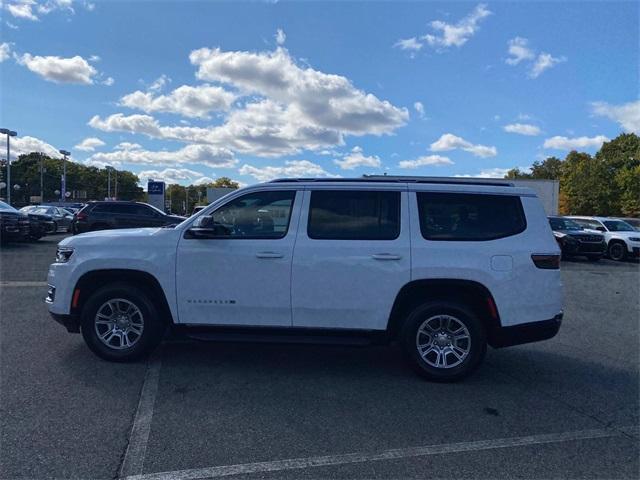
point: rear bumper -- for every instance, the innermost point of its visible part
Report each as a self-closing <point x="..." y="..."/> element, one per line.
<point x="526" y="332"/>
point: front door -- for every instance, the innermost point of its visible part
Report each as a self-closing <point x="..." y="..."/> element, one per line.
<point x="242" y="275"/>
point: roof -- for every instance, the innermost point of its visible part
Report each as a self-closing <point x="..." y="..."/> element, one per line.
<point x="402" y="179"/>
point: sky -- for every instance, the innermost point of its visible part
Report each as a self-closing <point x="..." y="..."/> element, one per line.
<point x="190" y="91"/>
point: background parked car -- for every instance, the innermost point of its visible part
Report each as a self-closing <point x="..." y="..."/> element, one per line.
<point x="574" y="240"/>
<point x="622" y="239"/>
<point x="61" y="217"/>
<point x="111" y="215"/>
<point x="14" y="225"/>
<point x="634" y="222"/>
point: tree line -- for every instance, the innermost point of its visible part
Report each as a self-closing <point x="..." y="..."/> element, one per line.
<point x="91" y="183"/>
<point x="607" y="183"/>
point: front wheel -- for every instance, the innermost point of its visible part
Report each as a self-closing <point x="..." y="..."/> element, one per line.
<point x="119" y="323"/>
<point x="617" y="251"/>
<point x="444" y="341"/>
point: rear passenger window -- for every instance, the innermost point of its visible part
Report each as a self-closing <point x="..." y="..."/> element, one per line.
<point x="354" y="215"/>
<point x="467" y="216"/>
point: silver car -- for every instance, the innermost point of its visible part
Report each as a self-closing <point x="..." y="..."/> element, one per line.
<point x="62" y="218"/>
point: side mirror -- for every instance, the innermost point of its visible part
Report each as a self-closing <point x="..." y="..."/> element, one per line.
<point x="208" y="230"/>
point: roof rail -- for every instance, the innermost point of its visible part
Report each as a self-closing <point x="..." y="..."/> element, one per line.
<point x="402" y="179"/>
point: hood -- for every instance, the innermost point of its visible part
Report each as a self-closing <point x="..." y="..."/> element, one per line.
<point x="116" y="237"/>
<point x="625" y="235"/>
<point x="579" y="233"/>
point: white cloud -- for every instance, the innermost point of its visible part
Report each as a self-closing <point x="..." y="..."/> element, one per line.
<point x="357" y="159"/>
<point x="411" y="44"/>
<point x="519" y="50"/>
<point x="522" y="129"/>
<point x="30" y="9"/>
<point x="196" y="102"/>
<point x="564" y="143"/>
<point x="286" y="109"/>
<point x="203" y="180"/>
<point x="419" y="108"/>
<point x="428" y="160"/>
<point x="456" y="34"/>
<point x="449" y="141"/>
<point x="108" y="81"/>
<point x="89" y="144"/>
<point x="127" y="146"/>
<point x="159" y="83"/>
<point x="5" y="51"/>
<point x="280" y="36"/>
<point x="170" y="175"/>
<point x="489" y="173"/>
<point x="94" y="58"/>
<point x="22" y="10"/>
<point x="290" y="169"/>
<point x="27" y="144"/>
<point x="60" y="70"/>
<point x="191" y="154"/>
<point x="99" y="164"/>
<point x="315" y="99"/>
<point x="544" y="62"/>
<point x="627" y="114"/>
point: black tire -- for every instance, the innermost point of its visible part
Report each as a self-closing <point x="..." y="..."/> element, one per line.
<point x="477" y="345"/>
<point x="55" y="228"/>
<point x="153" y="325"/>
<point x="594" y="258"/>
<point x="617" y="251"/>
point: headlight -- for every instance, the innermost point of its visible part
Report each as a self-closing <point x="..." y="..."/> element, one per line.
<point x="63" y="254"/>
<point x="634" y="239"/>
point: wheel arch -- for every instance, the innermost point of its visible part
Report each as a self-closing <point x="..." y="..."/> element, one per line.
<point x="91" y="281"/>
<point x="471" y="293"/>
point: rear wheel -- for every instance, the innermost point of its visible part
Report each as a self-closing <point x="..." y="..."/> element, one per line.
<point x="617" y="251"/>
<point x="120" y="323"/>
<point x="444" y="341"/>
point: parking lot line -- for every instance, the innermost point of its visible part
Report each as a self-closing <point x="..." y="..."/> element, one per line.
<point x="134" y="456"/>
<point x="332" y="460"/>
<point x="22" y="284"/>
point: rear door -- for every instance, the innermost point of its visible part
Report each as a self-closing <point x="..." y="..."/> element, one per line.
<point x="351" y="257"/>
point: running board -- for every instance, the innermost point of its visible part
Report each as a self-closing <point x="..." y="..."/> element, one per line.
<point x="281" y="335"/>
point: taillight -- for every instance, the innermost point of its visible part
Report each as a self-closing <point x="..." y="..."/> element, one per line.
<point x="81" y="216"/>
<point x="548" y="262"/>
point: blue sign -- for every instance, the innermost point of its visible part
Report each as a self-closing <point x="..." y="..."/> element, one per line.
<point x="155" y="188"/>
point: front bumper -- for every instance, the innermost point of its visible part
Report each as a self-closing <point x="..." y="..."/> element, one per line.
<point x="525" y="332"/>
<point x="584" y="248"/>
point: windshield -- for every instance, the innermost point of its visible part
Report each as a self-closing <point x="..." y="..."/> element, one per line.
<point x="7" y="207"/>
<point x="618" y="226"/>
<point x="563" y="224"/>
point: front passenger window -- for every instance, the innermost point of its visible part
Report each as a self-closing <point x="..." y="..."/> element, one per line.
<point x="259" y="215"/>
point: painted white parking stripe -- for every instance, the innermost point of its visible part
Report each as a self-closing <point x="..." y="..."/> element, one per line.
<point x="329" y="460"/>
<point x="137" y="448"/>
<point x="22" y="284"/>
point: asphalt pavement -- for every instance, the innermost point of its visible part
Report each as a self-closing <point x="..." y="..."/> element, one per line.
<point x="564" y="408"/>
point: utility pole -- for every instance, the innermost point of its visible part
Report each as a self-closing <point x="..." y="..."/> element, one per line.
<point x="63" y="192"/>
<point x="115" y="194"/>
<point x="41" y="178"/>
<point x="8" y="133"/>
<point x="109" y="183"/>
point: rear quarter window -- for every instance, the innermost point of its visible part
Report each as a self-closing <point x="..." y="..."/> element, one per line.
<point x="468" y="216"/>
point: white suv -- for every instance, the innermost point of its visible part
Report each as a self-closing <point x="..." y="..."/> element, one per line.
<point x="442" y="267"/>
<point x="622" y="239"/>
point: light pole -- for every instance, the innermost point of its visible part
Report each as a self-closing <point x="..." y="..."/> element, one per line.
<point x="63" y="192"/>
<point x="108" y="183"/>
<point x="8" y="133"/>
<point x="41" y="178"/>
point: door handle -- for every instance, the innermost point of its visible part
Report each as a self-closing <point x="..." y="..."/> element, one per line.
<point x="269" y="255"/>
<point x="385" y="256"/>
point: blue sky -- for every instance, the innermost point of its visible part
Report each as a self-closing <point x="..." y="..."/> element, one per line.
<point x="188" y="91"/>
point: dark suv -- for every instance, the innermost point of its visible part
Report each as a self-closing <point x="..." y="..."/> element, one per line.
<point x="574" y="240"/>
<point x="111" y="215"/>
